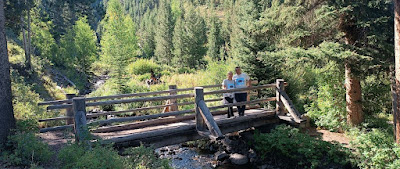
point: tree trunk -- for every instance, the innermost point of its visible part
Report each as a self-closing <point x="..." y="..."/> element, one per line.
<point x="28" y="58"/>
<point x="7" y="121"/>
<point x="397" y="69"/>
<point x="23" y="30"/>
<point x="353" y="97"/>
<point x="394" y="98"/>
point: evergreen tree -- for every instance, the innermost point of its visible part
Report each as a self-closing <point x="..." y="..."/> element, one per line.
<point x="118" y="44"/>
<point x="247" y="40"/>
<point x="213" y="39"/>
<point x="146" y="34"/>
<point x="163" y="33"/>
<point x="375" y="40"/>
<point x="226" y="27"/>
<point x="43" y="42"/>
<point x="79" y="44"/>
<point x="190" y="38"/>
<point x="179" y="40"/>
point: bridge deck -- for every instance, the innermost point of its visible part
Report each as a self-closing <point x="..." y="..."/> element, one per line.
<point x="184" y="131"/>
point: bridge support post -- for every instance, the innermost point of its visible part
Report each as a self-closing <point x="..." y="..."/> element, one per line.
<point x="80" y="127"/>
<point x="70" y="111"/>
<point x="280" y="109"/>
<point x="172" y="91"/>
<point x="199" y="96"/>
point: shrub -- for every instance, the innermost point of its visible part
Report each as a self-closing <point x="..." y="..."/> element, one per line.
<point x="286" y="142"/>
<point x="328" y="108"/>
<point x="100" y="157"/>
<point x="376" y="94"/>
<point x="26" y="149"/>
<point x="375" y="149"/>
<point x="144" y="157"/>
<point x="25" y="101"/>
<point x="142" y="66"/>
<point x="78" y="156"/>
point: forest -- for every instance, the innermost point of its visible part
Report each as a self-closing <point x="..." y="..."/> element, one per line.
<point x="337" y="57"/>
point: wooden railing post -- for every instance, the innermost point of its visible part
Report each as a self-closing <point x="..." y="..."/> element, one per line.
<point x="199" y="96"/>
<point x="279" y="105"/>
<point x="172" y="91"/>
<point x="80" y="126"/>
<point x="70" y="111"/>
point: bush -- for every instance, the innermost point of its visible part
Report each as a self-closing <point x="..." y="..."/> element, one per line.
<point x="26" y="149"/>
<point x="304" y="151"/>
<point x="143" y="157"/>
<point x="375" y="149"/>
<point x="99" y="157"/>
<point x="328" y="108"/>
<point x="78" y="156"/>
<point x="376" y="94"/>
<point x="142" y="66"/>
<point x="25" y="101"/>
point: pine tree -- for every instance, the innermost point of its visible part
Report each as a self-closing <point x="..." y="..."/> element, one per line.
<point x="43" y="42"/>
<point x="79" y="45"/>
<point x="147" y="34"/>
<point x="368" y="39"/>
<point x="163" y="33"/>
<point x="179" y="41"/>
<point x="213" y="39"/>
<point x="190" y="38"/>
<point x="119" y="44"/>
<point x="246" y="40"/>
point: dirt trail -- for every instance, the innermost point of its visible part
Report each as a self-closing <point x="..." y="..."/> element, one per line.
<point x="329" y="136"/>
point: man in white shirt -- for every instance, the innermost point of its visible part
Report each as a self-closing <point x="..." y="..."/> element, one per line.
<point x="242" y="80"/>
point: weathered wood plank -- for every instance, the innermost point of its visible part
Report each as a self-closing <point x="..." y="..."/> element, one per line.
<point x="244" y="103"/>
<point x="200" y="121"/>
<point x="110" y="102"/>
<point x="56" y="128"/>
<point x="240" y="89"/>
<point x="105" y="97"/>
<point x="70" y="111"/>
<point x="145" y="117"/>
<point x="57" y="118"/>
<point x="290" y="107"/>
<point x="91" y="115"/>
<point x="173" y="102"/>
<point x="161" y="121"/>
<point x="186" y="132"/>
<point x="80" y="127"/>
<point x="279" y="105"/>
<point x="209" y="120"/>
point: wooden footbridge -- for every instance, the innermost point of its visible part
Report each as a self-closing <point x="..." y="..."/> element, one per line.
<point x="172" y="126"/>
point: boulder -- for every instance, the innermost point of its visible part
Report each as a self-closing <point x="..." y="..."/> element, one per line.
<point x="238" y="159"/>
<point x="220" y="155"/>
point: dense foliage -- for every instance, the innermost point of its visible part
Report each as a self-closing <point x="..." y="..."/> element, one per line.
<point x="302" y="151"/>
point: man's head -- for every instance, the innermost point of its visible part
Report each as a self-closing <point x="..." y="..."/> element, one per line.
<point x="238" y="70"/>
<point x="229" y="75"/>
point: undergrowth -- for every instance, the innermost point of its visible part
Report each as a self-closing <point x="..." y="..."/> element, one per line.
<point x="300" y="150"/>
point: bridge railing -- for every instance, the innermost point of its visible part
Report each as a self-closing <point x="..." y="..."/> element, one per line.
<point x="78" y="106"/>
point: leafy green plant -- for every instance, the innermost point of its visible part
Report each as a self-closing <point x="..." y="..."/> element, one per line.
<point x="144" y="157"/>
<point x="26" y="149"/>
<point x="375" y="149"/>
<point x="98" y="157"/>
<point x="304" y="151"/>
<point x="143" y="66"/>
